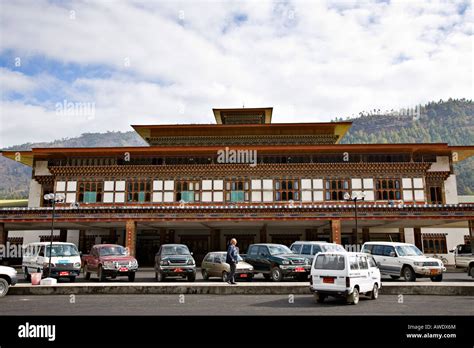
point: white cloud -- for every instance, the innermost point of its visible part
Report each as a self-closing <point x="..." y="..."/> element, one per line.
<point x="311" y="60"/>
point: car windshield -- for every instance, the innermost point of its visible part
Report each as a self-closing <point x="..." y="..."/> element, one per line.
<point x="279" y="249"/>
<point x="332" y="247"/>
<point x="331" y="262"/>
<point x="175" y="250"/>
<point x="62" y="250"/>
<point x="113" y="250"/>
<point x="408" y="250"/>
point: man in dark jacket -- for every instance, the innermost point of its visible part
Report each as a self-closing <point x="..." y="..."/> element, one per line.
<point x="232" y="260"/>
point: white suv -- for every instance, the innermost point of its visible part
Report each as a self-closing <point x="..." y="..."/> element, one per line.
<point x="346" y="275"/>
<point x="404" y="260"/>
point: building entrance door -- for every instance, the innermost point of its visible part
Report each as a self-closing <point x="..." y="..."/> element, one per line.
<point x="198" y="245"/>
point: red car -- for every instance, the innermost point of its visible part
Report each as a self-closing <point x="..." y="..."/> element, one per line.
<point x="109" y="260"/>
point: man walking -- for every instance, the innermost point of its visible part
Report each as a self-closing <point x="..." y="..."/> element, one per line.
<point x="231" y="259"/>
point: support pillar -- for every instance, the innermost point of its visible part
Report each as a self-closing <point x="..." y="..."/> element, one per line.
<point x="365" y="234"/>
<point x="63" y="235"/>
<point x="417" y="235"/>
<point x="112" y="236"/>
<point x="215" y="239"/>
<point x="336" y="231"/>
<point x="401" y="232"/>
<point x="263" y="234"/>
<point x="471" y="232"/>
<point x="131" y="236"/>
<point x="3" y="234"/>
<point x="82" y="241"/>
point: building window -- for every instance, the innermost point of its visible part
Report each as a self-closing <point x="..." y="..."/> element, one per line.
<point x="312" y="190"/>
<point x="435" y="195"/>
<point x="287" y="190"/>
<point x="261" y="190"/>
<point x="434" y="243"/>
<point x="188" y="191"/>
<point x="138" y="190"/>
<point x="68" y="189"/>
<point x="387" y="189"/>
<point x="237" y="190"/>
<point x="413" y="190"/>
<point x="212" y="190"/>
<point x="335" y="189"/>
<point x="90" y="191"/>
<point x="163" y="191"/>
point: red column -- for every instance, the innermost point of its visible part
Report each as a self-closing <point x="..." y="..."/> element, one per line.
<point x="131" y="236"/>
<point x="418" y="242"/>
<point x="336" y="231"/>
<point x="3" y="234"/>
<point x="471" y="231"/>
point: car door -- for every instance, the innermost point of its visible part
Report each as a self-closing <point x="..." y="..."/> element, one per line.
<point x="377" y="253"/>
<point x="374" y="272"/>
<point x="391" y="261"/>
<point x="217" y="265"/>
<point x="263" y="262"/>
<point x="93" y="260"/>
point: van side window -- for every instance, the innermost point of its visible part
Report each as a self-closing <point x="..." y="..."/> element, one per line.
<point x="372" y="262"/>
<point x="316" y="249"/>
<point x="387" y="250"/>
<point x="363" y="262"/>
<point x="296" y="248"/>
<point x="306" y="249"/>
<point x="353" y="263"/>
<point x="377" y="250"/>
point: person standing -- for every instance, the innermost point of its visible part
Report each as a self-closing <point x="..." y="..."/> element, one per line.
<point x="232" y="260"/>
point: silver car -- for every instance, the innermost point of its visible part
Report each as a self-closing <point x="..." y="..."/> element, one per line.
<point x="214" y="265"/>
<point x="8" y="277"/>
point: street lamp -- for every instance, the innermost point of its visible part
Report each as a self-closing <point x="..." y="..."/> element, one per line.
<point x="356" y="196"/>
<point x="54" y="198"/>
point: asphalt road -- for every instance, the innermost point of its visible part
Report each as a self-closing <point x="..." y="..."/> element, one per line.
<point x="148" y="275"/>
<point x="231" y="305"/>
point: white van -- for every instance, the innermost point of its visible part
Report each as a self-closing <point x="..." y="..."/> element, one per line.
<point x="65" y="260"/>
<point x="346" y="275"/>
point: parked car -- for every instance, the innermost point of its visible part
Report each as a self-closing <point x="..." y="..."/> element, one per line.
<point x="346" y="275"/>
<point x="214" y="265"/>
<point x="65" y="260"/>
<point x="404" y="260"/>
<point x="309" y="249"/>
<point x="109" y="260"/>
<point x="464" y="258"/>
<point x="277" y="261"/>
<point x="174" y="260"/>
<point x="8" y="277"/>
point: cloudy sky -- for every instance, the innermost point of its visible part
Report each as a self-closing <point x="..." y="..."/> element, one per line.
<point x="68" y="67"/>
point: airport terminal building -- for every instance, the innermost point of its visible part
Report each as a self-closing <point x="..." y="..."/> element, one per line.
<point x="243" y="177"/>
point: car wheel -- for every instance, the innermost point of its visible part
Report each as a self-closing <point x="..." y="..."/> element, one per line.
<point x="87" y="274"/>
<point x="26" y="274"/>
<point x="131" y="277"/>
<point x="471" y="272"/>
<point x="101" y="274"/>
<point x="225" y="276"/>
<point x="408" y="274"/>
<point x="192" y="277"/>
<point x="205" y="275"/>
<point x="437" y="278"/>
<point x="72" y="279"/>
<point x="395" y="277"/>
<point x="374" y="294"/>
<point x="354" y="297"/>
<point x="319" y="298"/>
<point x="4" y="286"/>
<point x="277" y="274"/>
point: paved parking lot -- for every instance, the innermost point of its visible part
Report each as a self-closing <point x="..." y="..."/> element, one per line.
<point x="231" y="305"/>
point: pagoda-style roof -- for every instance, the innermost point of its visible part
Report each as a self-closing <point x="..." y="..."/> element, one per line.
<point x="243" y="115"/>
<point x="439" y="149"/>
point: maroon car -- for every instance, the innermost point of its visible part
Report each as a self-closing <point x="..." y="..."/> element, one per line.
<point x="109" y="260"/>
